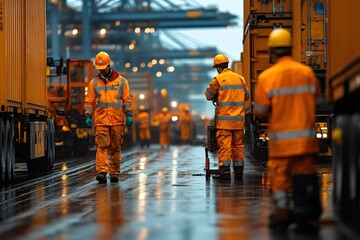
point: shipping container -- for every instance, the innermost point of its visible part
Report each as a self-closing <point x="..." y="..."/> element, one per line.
<point x="306" y="20"/>
<point x="343" y="79"/>
<point x="27" y="133"/>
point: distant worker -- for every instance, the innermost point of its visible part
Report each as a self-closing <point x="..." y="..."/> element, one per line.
<point x="186" y="125"/>
<point x="143" y="126"/>
<point x="108" y="100"/>
<point x="229" y="91"/>
<point x="164" y="127"/>
<point x="287" y="93"/>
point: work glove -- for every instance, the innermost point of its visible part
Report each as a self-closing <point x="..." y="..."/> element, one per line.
<point x="129" y="120"/>
<point x="88" y="121"/>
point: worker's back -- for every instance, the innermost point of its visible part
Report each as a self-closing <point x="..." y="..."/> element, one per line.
<point x="292" y="90"/>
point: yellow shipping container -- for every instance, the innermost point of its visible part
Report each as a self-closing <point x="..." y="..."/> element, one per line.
<point x="344" y="48"/>
<point x="23" y="56"/>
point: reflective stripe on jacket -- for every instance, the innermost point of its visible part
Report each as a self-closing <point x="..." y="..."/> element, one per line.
<point x="231" y="92"/>
<point x="108" y="100"/>
<point x="287" y="93"/>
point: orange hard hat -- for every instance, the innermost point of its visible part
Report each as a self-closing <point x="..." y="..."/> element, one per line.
<point x="102" y="60"/>
<point x="219" y="59"/>
<point x="279" y="37"/>
<point x="164" y="110"/>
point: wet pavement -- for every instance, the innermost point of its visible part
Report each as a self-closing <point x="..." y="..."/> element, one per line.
<point x="162" y="194"/>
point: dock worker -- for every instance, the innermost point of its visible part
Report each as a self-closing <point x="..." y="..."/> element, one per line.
<point x="143" y="126"/>
<point x="164" y="128"/>
<point x="186" y="125"/>
<point x="108" y="101"/>
<point x="229" y="92"/>
<point x="287" y="93"/>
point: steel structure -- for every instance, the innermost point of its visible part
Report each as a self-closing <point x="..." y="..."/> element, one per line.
<point x="132" y="31"/>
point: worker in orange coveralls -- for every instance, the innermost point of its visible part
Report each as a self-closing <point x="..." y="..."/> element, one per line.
<point x="143" y="125"/>
<point x="108" y="99"/>
<point x="229" y="91"/>
<point x="287" y="94"/>
<point x="186" y="123"/>
<point x="164" y="127"/>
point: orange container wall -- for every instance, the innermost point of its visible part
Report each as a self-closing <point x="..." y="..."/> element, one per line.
<point x="306" y="21"/>
<point x="12" y="53"/>
<point x="23" y="55"/>
<point x="343" y="46"/>
<point x="35" y="28"/>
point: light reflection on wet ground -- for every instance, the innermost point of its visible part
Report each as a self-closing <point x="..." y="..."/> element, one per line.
<point x="162" y="194"/>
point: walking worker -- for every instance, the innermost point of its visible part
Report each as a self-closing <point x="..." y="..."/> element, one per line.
<point x="186" y="125"/>
<point x="108" y="100"/>
<point x="287" y="94"/>
<point x="143" y="125"/>
<point x="229" y="91"/>
<point x="164" y="127"/>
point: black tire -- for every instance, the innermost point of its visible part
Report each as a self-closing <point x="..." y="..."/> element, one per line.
<point x="47" y="162"/>
<point x="341" y="169"/>
<point x="3" y="150"/>
<point x="10" y="155"/>
<point x="354" y="169"/>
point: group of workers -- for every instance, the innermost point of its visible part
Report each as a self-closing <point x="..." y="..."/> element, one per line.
<point x="286" y="93"/>
<point x="143" y="123"/>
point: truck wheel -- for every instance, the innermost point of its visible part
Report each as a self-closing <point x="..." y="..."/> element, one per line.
<point x="51" y="144"/>
<point x="3" y="149"/>
<point x="10" y="155"/>
<point x="354" y="167"/>
<point x="47" y="162"/>
<point x="341" y="167"/>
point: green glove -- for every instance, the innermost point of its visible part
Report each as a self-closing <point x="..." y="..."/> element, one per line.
<point x="88" y="121"/>
<point x="129" y="120"/>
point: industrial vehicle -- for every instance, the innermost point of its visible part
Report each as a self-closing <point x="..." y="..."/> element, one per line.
<point x="67" y="84"/>
<point x="306" y="20"/>
<point x="343" y="79"/>
<point x="27" y="131"/>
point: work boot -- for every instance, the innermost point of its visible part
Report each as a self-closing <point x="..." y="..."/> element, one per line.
<point x="101" y="177"/>
<point x="224" y="173"/>
<point x="279" y="219"/>
<point x="280" y="215"/>
<point x="238" y="172"/>
<point x="114" y="178"/>
<point x="307" y="205"/>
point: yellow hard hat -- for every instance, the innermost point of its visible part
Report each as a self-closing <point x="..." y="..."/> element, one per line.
<point x="219" y="59"/>
<point x="142" y="107"/>
<point x="102" y="60"/>
<point x="164" y="109"/>
<point x="279" y="37"/>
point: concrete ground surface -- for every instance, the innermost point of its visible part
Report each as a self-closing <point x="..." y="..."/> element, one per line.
<point x="162" y="194"/>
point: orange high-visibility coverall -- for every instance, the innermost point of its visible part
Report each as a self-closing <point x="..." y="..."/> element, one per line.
<point x="108" y="100"/>
<point x="287" y="93"/>
<point x="164" y="127"/>
<point x="231" y="92"/>
<point x="186" y="126"/>
<point x="143" y="123"/>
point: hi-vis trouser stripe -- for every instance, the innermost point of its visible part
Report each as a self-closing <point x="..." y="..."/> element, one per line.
<point x="292" y="134"/>
<point x="107" y="104"/>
